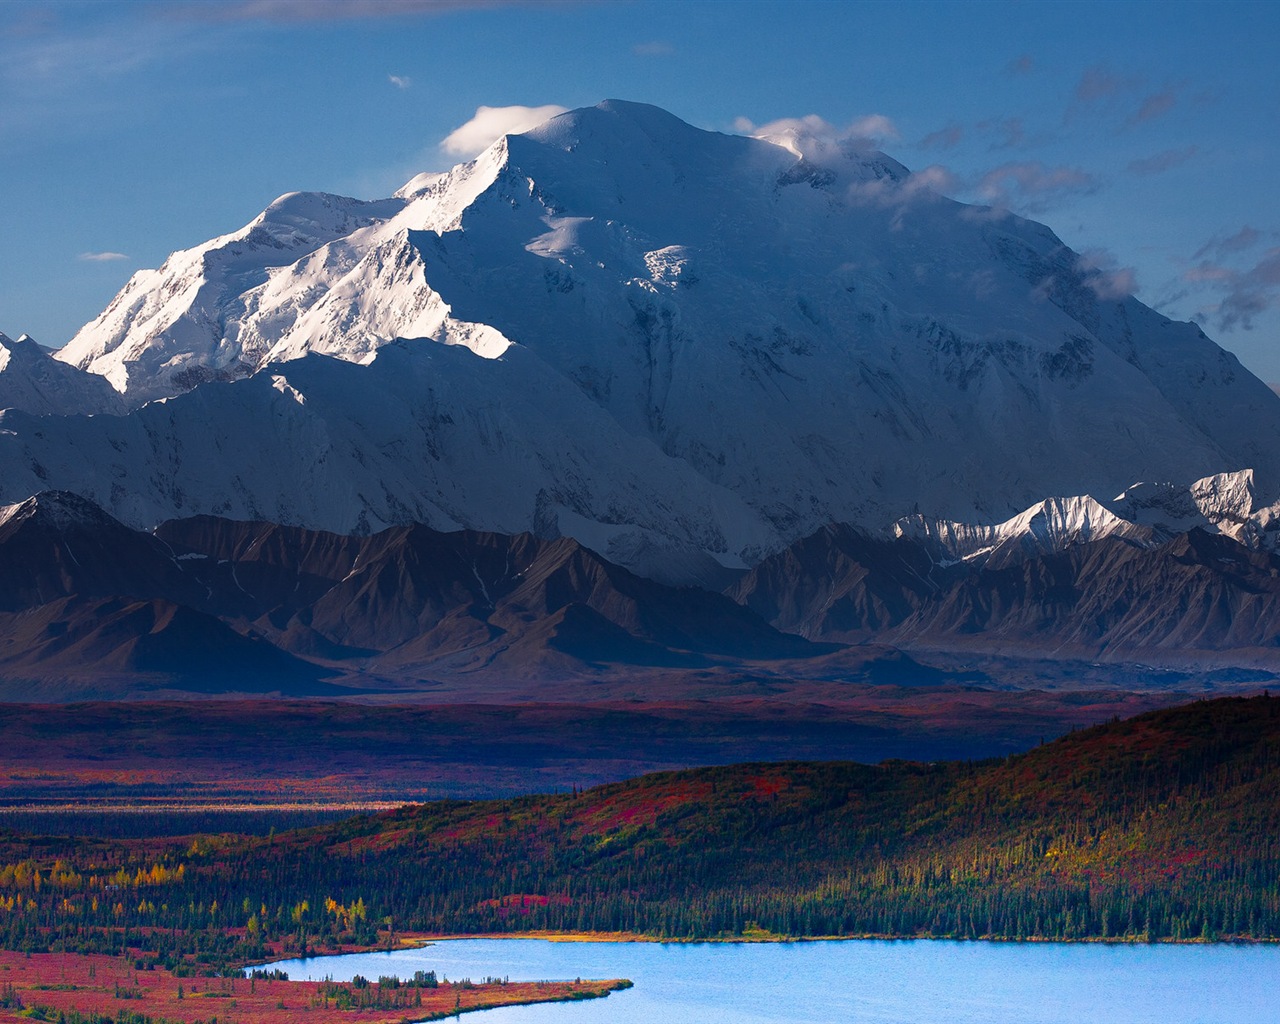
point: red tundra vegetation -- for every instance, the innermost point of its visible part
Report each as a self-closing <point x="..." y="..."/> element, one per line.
<point x="53" y="986"/>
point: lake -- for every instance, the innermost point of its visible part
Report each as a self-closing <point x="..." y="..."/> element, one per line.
<point x="862" y="982"/>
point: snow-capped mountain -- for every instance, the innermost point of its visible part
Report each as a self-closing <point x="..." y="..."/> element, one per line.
<point x="1193" y="599"/>
<point x="32" y="380"/>
<point x="1224" y="503"/>
<point x="173" y="328"/>
<point x="1047" y="526"/>
<point x="425" y="433"/>
<point x="1144" y="514"/>
<point x="684" y="349"/>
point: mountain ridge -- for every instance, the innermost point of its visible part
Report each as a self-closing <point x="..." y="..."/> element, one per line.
<point x="686" y="350"/>
<point x="93" y="608"/>
<point x="34" y="380"/>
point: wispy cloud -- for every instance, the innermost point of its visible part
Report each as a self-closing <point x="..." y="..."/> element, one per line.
<point x="1161" y="162"/>
<point x="400" y="81"/>
<point x="653" y="48"/>
<point x="1103" y="275"/>
<point x="60" y="58"/>
<point x="101" y="257"/>
<point x="873" y="128"/>
<point x="288" y="11"/>
<point x="1225" y="245"/>
<point x="70" y="75"/>
<point x="1020" y="65"/>
<point x="1232" y="291"/>
<point x="1100" y="83"/>
<point x="1249" y="293"/>
<point x="1154" y="106"/>
<point x="904" y="196"/>
<point x="944" y="138"/>
<point x="1007" y="132"/>
<point x="817" y="139"/>
<point x="1103" y="90"/>
<point x="25" y="21"/>
<point x="491" y="123"/>
<point x="1099" y="88"/>
<point x="923" y="186"/>
<point x="999" y="133"/>
<point x="1033" y="186"/>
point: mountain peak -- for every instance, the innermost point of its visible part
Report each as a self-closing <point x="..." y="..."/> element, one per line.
<point x="23" y="343"/>
<point x="59" y="510"/>
<point x="616" y="115"/>
<point x="34" y="381"/>
<point x="658" y="340"/>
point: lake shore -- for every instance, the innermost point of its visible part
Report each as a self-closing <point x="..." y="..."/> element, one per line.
<point x="51" y="987"/>
<point x="420" y="940"/>
<point x="863" y="982"/>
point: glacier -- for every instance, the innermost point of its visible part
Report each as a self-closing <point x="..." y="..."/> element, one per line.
<point x="682" y="348"/>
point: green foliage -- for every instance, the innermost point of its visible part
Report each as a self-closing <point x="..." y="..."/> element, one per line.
<point x="1166" y="826"/>
<point x="9" y="998"/>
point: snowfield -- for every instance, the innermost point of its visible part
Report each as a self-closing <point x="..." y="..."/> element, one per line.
<point x="682" y="348"/>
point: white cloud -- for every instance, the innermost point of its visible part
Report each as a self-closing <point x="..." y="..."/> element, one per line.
<point x="101" y="257"/>
<point x="873" y="128"/>
<point x="815" y="138"/>
<point x="400" y="81"/>
<point x="924" y="185"/>
<point x="491" y="123"/>
<point x="1104" y="277"/>
<point x="934" y="178"/>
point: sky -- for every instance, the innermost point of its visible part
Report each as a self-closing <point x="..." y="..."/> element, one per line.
<point x="1147" y="135"/>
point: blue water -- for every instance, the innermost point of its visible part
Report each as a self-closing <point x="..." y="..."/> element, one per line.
<point x="856" y="982"/>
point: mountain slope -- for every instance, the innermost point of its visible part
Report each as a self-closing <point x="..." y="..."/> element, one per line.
<point x="90" y="607"/>
<point x="681" y="348"/>
<point x="414" y="599"/>
<point x="1159" y="827"/>
<point x="57" y="545"/>
<point x="32" y="380"/>
<point x="165" y="331"/>
<point x="841" y="582"/>
<point x="1196" y="592"/>
<point x="113" y="648"/>
<point x="425" y="433"/>
<point x="1122" y="596"/>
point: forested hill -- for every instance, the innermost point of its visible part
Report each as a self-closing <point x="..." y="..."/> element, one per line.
<point x="1162" y="826"/>
<point x="1165" y="825"/>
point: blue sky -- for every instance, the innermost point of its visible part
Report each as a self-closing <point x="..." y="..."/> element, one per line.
<point x="1146" y="135"/>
